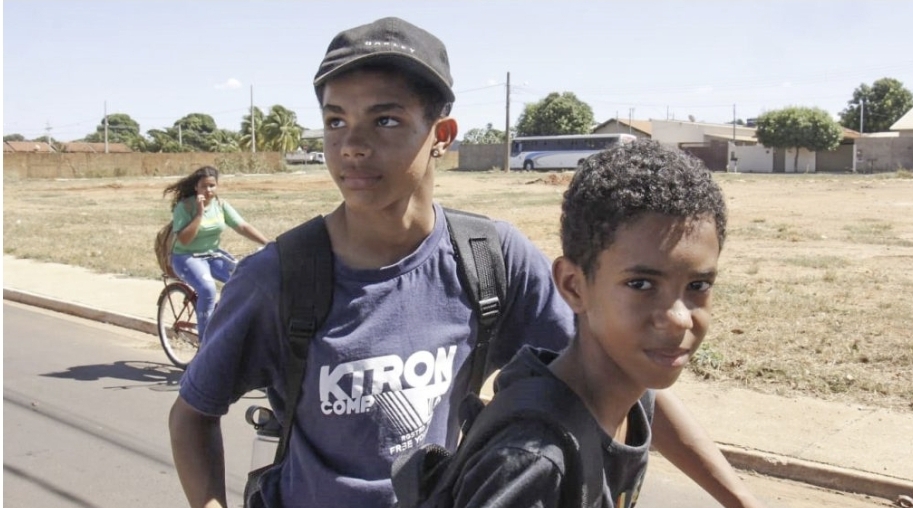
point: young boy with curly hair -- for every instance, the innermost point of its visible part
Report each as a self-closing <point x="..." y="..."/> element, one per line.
<point x="642" y="227"/>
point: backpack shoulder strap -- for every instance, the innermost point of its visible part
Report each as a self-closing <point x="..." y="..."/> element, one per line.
<point x="480" y="263"/>
<point x="306" y="264"/>
<point x="552" y="402"/>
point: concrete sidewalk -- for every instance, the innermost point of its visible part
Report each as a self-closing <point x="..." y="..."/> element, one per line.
<point x="850" y="448"/>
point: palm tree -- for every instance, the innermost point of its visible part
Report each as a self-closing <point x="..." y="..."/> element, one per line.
<point x="281" y="130"/>
<point x="224" y="140"/>
<point x="244" y="141"/>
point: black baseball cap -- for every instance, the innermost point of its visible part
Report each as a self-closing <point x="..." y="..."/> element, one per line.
<point x="393" y="41"/>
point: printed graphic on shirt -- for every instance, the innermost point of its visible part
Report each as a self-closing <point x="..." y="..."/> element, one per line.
<point x="629" y="499"/>
<point x="400" y="394"/>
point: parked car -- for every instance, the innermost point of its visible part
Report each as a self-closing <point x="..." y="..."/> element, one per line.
<point x="316" y="158"/>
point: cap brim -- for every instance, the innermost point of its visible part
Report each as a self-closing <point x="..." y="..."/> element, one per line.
<point x="396" y="59"/>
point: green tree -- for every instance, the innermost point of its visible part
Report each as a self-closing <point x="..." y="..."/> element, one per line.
<point x="884" y="103"/>
<point x="245" y="140"/>
<point x="163" y="140"/>
<point x="224" y="140"/>
<point x="554" y="115"/>
<point x="196" y="133"/>
<point x="312" y="144"/>
<point x="13" y="137"/>
<point x="487" y="136"/>
<point x="798" y="127"/>
<point x="121" y="129"/>
<point x="281" y="130"/>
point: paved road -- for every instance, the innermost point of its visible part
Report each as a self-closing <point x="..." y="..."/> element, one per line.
<point x="84" y="410"/>
<point x="84" y="416"/>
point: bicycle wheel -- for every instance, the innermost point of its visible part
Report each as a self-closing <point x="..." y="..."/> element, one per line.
<point x="177" y="323"/>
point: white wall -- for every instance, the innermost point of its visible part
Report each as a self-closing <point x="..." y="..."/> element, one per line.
<point x="753" y="159"/>
<point x="806" y="162"/>
<point x="673" y="132"/>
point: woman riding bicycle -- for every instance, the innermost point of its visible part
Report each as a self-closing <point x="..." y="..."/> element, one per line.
<point x="199" y="216"/>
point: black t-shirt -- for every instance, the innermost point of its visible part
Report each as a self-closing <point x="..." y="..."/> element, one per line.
<point x="523" y="465"/>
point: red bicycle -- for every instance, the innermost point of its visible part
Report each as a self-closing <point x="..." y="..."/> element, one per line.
<point x="177" y="318"/>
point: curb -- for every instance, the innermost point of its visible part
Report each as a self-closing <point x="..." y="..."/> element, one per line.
<point x="83" y="311"/>
<point x="765" y="463"/>
<point x="817" y="473"/>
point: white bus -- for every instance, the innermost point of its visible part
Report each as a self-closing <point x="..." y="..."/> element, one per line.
<point x="560" y="152"/>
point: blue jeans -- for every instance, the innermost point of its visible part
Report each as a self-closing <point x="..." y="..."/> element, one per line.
<point x="201" y="274"/>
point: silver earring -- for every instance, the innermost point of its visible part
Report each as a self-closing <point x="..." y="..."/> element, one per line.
<point x="435" y="153"/>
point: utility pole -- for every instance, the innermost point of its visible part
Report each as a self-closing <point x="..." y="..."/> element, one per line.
<point x="733" y="124"/>
<point x="47" y="128"/>
<point x="106" y="126"/>
<point x="630" y="118"/>
<point x="180" y="138"/>
<point x="862" y="117"/>
<point x="507" y="128"/>
<point x="253" y="125"/>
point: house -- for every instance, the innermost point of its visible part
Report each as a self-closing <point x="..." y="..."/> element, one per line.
<point x="762" y="159"/>
<point x="83" y="147"/>
<point x="706" y="141"/>
<point x="904" y="125"/>
<point x="840" y="158"/>
<point x="639" y="128"/>
<point x="27" y="146"/>
<point x="312" y="134"/>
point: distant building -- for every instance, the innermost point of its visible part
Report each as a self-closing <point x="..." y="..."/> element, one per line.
<point x="904" y="125"/>
<point x="27" y="146"/>
<point x="639" y="128"/>
<point x="312" y="134"/>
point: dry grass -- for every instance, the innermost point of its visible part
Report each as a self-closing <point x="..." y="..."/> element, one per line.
<point x="815" y="294"/>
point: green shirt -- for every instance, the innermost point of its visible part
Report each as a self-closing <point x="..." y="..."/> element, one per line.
<point x="215" y="217"/>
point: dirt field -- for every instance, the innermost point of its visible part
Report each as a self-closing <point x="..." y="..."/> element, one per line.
<point x="815" y="293"/>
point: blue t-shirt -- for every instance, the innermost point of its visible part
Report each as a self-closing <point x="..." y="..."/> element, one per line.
<point x="384" y="371"/>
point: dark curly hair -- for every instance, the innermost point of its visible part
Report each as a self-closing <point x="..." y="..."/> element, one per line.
<point x="619" y="185"/>
<point x="187" y="186"/>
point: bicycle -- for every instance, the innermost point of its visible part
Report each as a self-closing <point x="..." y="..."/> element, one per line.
<point x="177" y="317"/>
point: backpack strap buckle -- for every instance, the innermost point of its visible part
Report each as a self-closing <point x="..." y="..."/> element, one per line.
<point x="490" y="309"/>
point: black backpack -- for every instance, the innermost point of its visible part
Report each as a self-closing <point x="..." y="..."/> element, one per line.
<point x="306" y="260"/>
<point x="425" y="477"/>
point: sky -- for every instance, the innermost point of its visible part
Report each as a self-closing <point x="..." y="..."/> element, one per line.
<point x="65" y="63"/>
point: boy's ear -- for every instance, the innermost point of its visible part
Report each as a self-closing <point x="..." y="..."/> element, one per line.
<point x="445" y="132"/>
<point x="571" y="282"/>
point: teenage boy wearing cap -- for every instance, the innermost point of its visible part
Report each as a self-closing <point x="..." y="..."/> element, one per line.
<point x="381" y="373"/>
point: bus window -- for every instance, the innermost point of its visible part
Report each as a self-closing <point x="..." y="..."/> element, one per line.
<point x="515" y="148"/>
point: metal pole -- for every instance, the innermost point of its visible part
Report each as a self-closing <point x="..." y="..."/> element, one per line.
<point x="106" y="126"/>
<point x="507" y="128"/>
<point x="253" y="125"/>
<point x="48" y="136"/>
